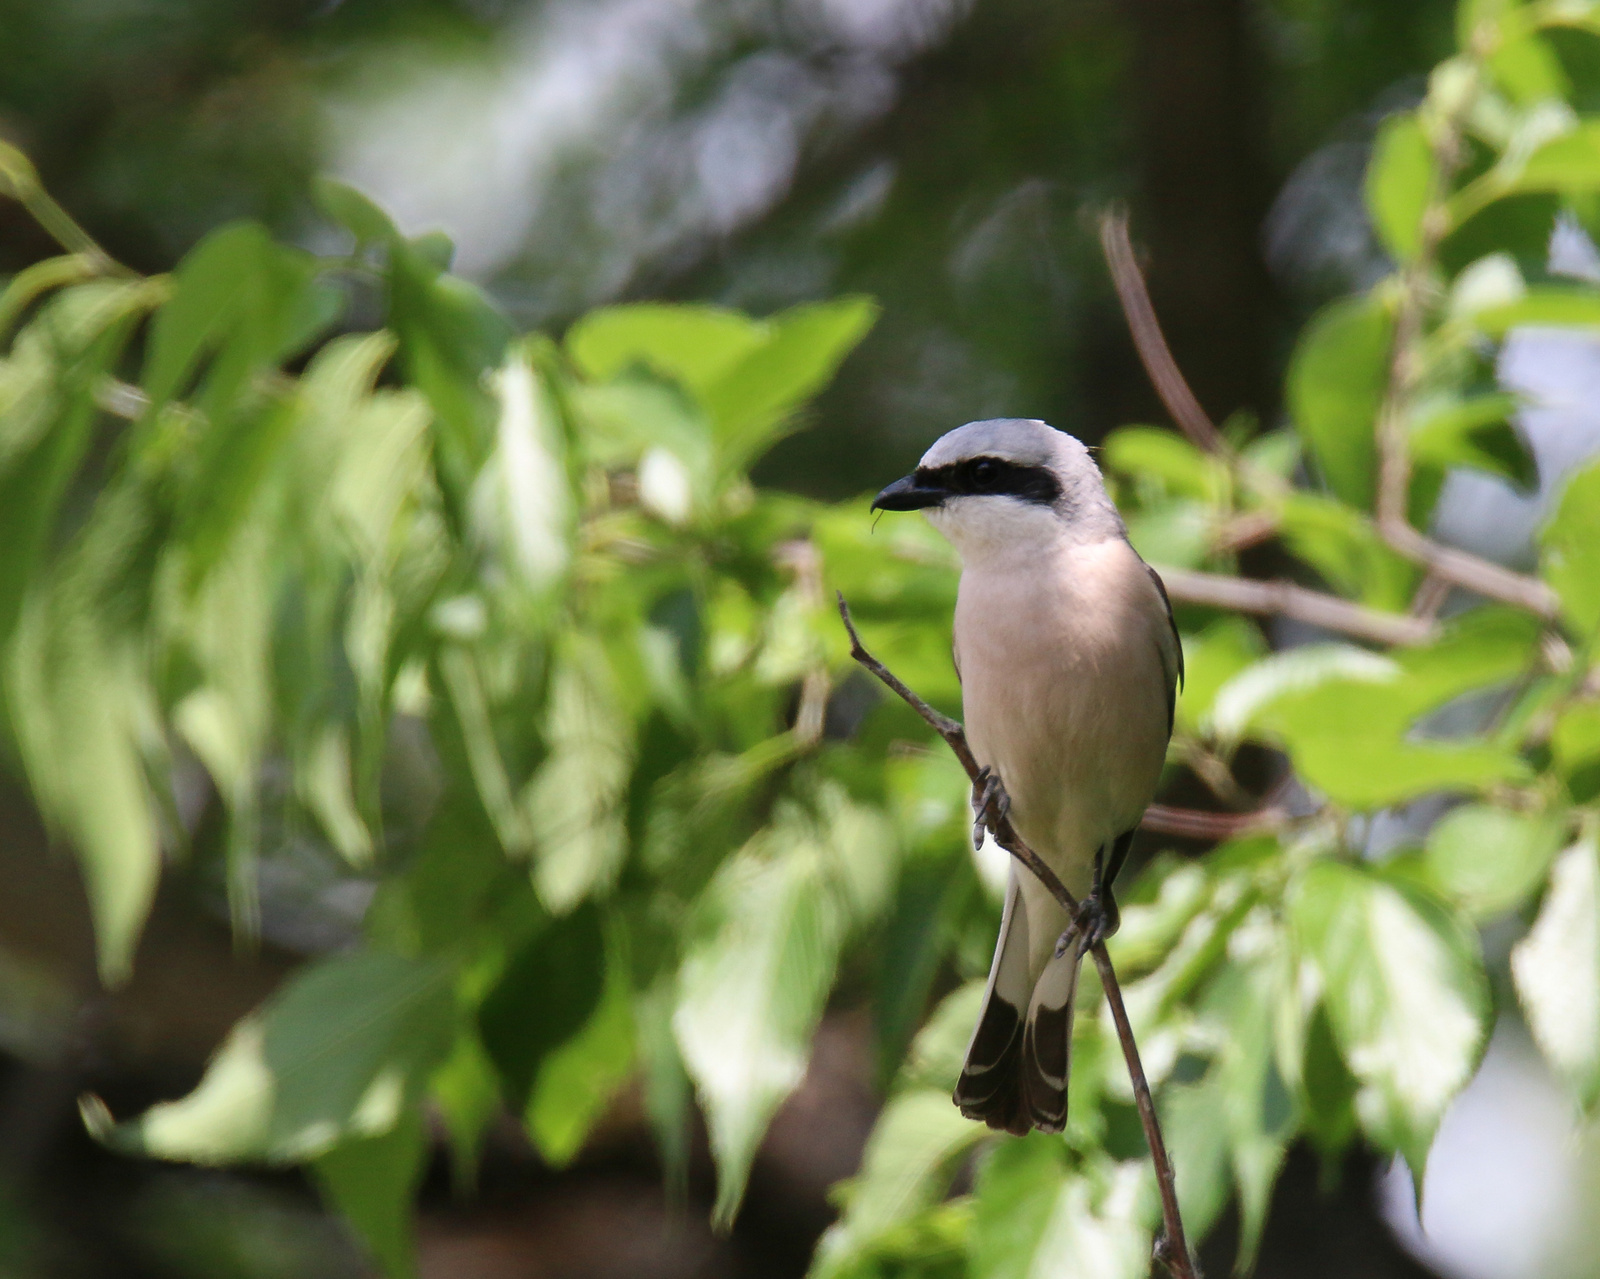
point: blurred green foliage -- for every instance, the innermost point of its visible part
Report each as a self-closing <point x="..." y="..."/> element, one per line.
<point x="502" y="624"/>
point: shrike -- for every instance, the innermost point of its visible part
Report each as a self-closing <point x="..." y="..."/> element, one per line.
<point x="1069" y="663"/>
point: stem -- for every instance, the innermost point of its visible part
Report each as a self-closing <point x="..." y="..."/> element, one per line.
<point x="1148" y="338"/>
<point x="1172" y="1248"/>
<point x="1173" y="1240"/>
<point x="20" y="179"/>
<point x="1246" y="595"/>
<point x="1392" y="429"/>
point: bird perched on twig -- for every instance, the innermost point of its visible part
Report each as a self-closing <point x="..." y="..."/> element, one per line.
<point x="1069" y="663"/>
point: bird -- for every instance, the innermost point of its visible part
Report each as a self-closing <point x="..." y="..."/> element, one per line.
<point x="1069" y="661"/>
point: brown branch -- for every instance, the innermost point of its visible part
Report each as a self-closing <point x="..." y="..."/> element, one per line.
<point x="1284" y="599"/>
<point x="1172" y="1247"/>
<point x="1461" y="568"/>
<point x="1148" y="339"/>
<point x="1194" y="823"/>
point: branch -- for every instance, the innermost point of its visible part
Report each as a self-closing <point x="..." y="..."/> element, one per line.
<point x="1245" y="595"/>
<point x="1172" y="1247"/>
<point x="1461" y="568"/>
<point x="1194" y="823"/>
<point x="1148" y="339"/>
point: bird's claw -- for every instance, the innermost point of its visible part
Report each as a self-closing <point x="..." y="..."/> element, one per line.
<point x="1097" y="919"/>
<point x="990" y="804"/>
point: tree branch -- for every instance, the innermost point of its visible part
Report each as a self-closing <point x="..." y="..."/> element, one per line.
<point x="1245" y="595"/>
<point x="1456" y="567"/>
<point x="1194" y="823"/>
<point x="1148" y="339"/>
<point x="1172" y="1247"/>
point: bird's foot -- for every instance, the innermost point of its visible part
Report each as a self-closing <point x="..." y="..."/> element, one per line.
<point x="1098" y="918"/>
<point x="990" y="804"/>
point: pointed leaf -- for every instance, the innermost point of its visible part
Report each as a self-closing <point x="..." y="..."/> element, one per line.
<point x="341" y="1051"/>
<point x="751" y="990"/>
<point x="1406" y="996"/>
<point x="371" y="1183"/>
<point x="1557" y="970"/>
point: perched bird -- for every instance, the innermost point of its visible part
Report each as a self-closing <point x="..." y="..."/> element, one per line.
<point x="1069" y="663"/>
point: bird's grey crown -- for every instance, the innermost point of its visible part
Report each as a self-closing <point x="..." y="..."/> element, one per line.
<point x="1027" y="442"/>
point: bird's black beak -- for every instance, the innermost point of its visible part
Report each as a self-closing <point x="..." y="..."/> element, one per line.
<point x="909" y="494"/>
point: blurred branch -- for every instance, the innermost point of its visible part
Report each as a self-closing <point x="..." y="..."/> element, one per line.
<point x="1172" y="1247"/>
<point x="1194" y="823"/>
<point x="20" y="180"/>
<point x="1284" y="599"/>
<point x="1148" y="339"/>
<point x="1445" y="563"/>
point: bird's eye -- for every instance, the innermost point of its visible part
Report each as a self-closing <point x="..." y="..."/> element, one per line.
<point x="985" y="474"/>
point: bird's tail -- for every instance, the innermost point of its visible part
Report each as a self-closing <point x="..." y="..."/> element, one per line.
<point x="1015" y="1076"/>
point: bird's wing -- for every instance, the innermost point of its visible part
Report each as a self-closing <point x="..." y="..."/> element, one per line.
<point x="1172" y="663"/>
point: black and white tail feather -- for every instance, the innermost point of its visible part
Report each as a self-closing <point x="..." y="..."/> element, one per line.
<point x="1018" y="1062"/>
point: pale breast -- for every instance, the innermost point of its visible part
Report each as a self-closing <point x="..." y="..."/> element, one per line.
<point x="1065" y="693"/>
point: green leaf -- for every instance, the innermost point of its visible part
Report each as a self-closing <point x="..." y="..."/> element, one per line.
<point x="906" y="1168"/>
<point x="694" y="345"/>
<point x="756" y="396"/>
<point x="1556" y="968"/>
<point x="1406" y="996"/>
<point x="1037" y="1219"/>
<point x="550" y="989"/>
<point x="79" y="707"/>
<point x="245" y="300"/>
<point x="467" y="1091"/>
<point x="1528" y="69"/>
<point x="1211" y="658"/>
<point x="1148" y="454"/>
<point x="371" y="1182"/>
<point x="573" y="802"/>
<point x="1346" y="714"/>
<point x="1399" y="184"/>
<point x="341" y="1051"/>
<point x="1177" y="532"/>
<point x="1570" y="544"/>
<point x="1490" y="860"/>
<point x="940" y="1047"/>
<point x="353" y="211"/>
<point x="1337" y="380"/>
<point x="1552" y="306"/>
<point x="1569" y="163"/>
<point x="752" y="987"/>
<point x="1343" y="546"/>
<point x="1575" y="740"/>
<point x="577" y="1079"/>
<point x="1477" y="433"/>
<point x="451" y="336"/>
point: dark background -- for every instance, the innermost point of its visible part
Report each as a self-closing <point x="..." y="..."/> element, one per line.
<point x="946" y="158"/>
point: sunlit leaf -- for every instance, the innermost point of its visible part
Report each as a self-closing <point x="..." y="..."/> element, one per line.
<point x="1571" y="550"/>
<point x="1557" y="971"/>
<point x="1489" y="860"/>
<point x="371" y="1182"/>
<point x="1399" y="183"/>
<point x="1406" y="996"/>
<point x="1336" y="382"/>
<point x="339" y="1052"/>
<point x="906" y="1167"/>
<point x="1037" y="1219"/>
<point x="752" y="988"/>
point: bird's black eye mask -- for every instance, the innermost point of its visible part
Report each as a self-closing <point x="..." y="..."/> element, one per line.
<point x="973" y="477"/>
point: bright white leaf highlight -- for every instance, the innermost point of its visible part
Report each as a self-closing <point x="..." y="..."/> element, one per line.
<point x="1557" y="970"/>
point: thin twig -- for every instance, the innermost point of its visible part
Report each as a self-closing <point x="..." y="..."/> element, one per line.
<point x="1173" y="1246"/>
<point x="20" y="180"/>
<point x="1457" y="567"/>
<point x="1194" y="823"/>
<point x="1148" y="339"/>
<point x="1246" y="595"/>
